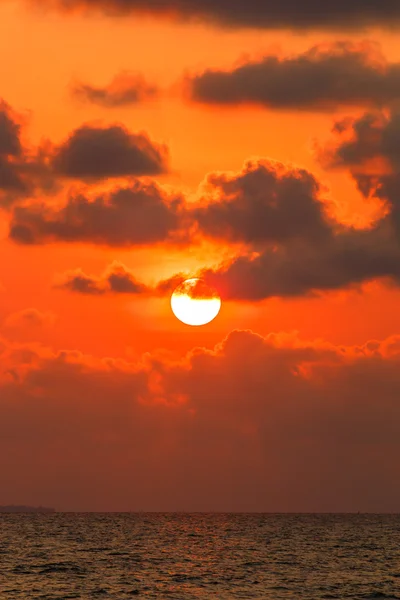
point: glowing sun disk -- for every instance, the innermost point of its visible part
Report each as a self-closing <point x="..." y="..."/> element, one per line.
<point x="191" y="310"/>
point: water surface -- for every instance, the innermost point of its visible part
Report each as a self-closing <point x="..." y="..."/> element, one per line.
<point x="199" y="556"/>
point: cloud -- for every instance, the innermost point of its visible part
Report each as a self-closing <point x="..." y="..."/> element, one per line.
<point x="125" y="89"/>
<point x="299" y="251"/>
<point x="23" y="171"/>
<point x="268" y="14"/>
<point x="369" y="148"/>
<point x="29" y="317"/>
<point x="25" y="177"/>
<point x="289" y="244"/>
<point x="293" y="248"/>
<point x="299" y="268"/>
<point x="279" y="212"/>
<point x="322" y="78"/>
<point x="255" y="424"/>
<point x="266" y="201"/>
<point x="10" y="179"/>
<point x="101" y="152"/>
<point x="360" y="141"/>
<point x="117" y="279"/>
<point x="90" y="153"/>
<point x="165" y="287"/>
<point x="10" y="130"/>
<point x="141" y="213"/>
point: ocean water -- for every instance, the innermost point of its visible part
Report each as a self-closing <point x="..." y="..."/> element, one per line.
<point x="199" y="556"/>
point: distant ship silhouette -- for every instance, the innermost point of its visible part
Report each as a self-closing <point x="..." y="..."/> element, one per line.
<point x="12" y="508"/>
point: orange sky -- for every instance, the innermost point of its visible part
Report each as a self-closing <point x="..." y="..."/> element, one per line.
<point x="46" y="52"/>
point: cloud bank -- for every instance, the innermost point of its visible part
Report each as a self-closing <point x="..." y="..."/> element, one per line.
<point x="260" y="14"/>
<point x="262" y="424"/>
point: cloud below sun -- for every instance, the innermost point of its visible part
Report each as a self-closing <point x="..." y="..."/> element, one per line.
<point x="268" y="407"/>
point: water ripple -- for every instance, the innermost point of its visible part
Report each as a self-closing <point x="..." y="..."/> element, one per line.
<point x="199" y="557"/>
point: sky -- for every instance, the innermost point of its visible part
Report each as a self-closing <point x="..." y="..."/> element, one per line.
<point x="255" y="145"/>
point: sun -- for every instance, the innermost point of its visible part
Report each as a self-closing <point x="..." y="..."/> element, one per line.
<point x="195" y="303"/>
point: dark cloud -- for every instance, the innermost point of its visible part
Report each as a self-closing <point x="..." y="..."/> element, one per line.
<point x="359" y="141"/>
<point x="369" y="148"/>
<point x="308" y="253"/>
<point x="77" y="281"/>
<point x="89" y="153"/>
<point x="194" y="288"/>
<point x="290" y="247"/>
<point x="302" y="251"/>
<point x="322" y="78"/>
<point x="126" y="88"/>
<point x="102" y="152"/>
<point x="299" y="267"/>
<point x="25" y="176"/>
<point x="11" y="180"/>
<point x="255" y="424"/>
<point x="166" y="286"/>
<point x="10" y="130"/>
<point x="117" y="279"/>
<point x="23" y="172"/>
<point x="142" y="213"/>
<point x="332" y="14"/>
<point x="13" y="184"/>
<point x="293" y="247"/>
<point x="265" y="202"/>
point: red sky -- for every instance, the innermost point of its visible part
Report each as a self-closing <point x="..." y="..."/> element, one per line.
<point x="259" y="149"/>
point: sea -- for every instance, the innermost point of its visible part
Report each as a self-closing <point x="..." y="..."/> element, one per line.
<point x="199" y="556"/>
